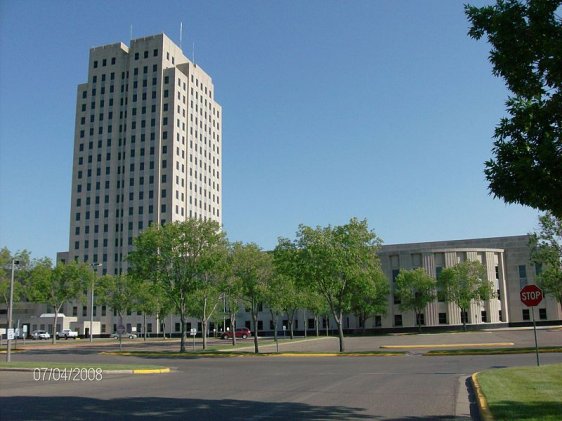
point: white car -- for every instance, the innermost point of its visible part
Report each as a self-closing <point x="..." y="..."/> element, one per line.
<point x="40" y="334"/>
<point x="67" y="333"/>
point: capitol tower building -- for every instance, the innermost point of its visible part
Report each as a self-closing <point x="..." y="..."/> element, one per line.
<point x="147" y="149"/>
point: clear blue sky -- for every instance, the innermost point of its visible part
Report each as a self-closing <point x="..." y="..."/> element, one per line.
<point x="332" y="109"/>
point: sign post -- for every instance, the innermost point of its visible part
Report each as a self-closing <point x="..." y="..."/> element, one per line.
<point x="531" y="296"/>
<point x="193" y="332"/>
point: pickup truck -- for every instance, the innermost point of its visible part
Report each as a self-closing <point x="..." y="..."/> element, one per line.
<point x="67" y="333"/>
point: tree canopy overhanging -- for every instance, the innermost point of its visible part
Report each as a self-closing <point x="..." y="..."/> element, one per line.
<point x="526" y="51"/>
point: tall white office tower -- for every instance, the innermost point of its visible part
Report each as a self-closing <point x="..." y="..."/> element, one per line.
<point x="147" y="148"/>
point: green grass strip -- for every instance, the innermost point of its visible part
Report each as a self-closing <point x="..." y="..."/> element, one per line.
<point x="50" y="364"/>
<point x="493" y="351"/>
<point x="524" y="393"/>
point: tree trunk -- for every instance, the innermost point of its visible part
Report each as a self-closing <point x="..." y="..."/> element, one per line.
<point x="291" y="332"/>
<point x="316" y="324"/>
<point x="144" y="326"/>
<point x="339" y="322"/>
<point x="183" y="328"/>
<point x="419" y="322"/>
<point x="274" y="318"/>
<point x="204" y="324"/>
<point x="233" y="327"/>
<point x="363" y="323"/>
<point x="255" y="317"/>
<point x="204" y="333"/>
<point x="304" y="321"/>
<point x="55" y="326"/>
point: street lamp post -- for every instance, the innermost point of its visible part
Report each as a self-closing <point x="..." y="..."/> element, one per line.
<point x="94" y="268"/>
<point x="11" y="305"/>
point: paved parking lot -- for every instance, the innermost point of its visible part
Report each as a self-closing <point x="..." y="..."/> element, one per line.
<point x="547" y="336"/>
<point x="393" y="388"/>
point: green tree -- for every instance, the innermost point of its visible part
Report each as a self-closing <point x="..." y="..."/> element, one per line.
<point x="316" y="304"/>
<point x="274" y="298"/>
<point x="546" y="252"/>
<point x="465" y="282"/>
<point x="253" y="270"/>
<point x="293" y="299"/>
<point x="55" y="286"/>
<point x="416" y="290"/>
<point x="339" y="263"/>
<point x="230" y="288"/>
<point x="203" y="304"/>
<point x="120" y="293"/>
<point x="151" y="301"/>
<point x="371" y="298"/>
<point x="20" y="272"/>
<point x="526" y="41"/>
<point x="179" y="257"/>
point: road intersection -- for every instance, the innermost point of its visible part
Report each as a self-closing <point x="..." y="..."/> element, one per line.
<point x="411" y="386"/>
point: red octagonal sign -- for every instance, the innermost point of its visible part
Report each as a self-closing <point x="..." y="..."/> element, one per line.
<point x="531" y="295"/>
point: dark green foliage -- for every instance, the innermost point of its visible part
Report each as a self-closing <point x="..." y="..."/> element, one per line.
<point x="526" y="41"/>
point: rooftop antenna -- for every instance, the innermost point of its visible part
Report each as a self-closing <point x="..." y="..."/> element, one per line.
<point x="181" y="33"/>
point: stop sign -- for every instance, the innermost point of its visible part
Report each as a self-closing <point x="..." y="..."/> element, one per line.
<point x="531" y="295"/>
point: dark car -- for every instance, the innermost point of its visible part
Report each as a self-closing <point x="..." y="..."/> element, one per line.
<point x="242" y="332"/>
<point x="129" y="335"/>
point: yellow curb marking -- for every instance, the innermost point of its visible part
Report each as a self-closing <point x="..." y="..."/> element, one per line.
<point x="155" y="371"/>
<point x="449" y="345"/>
<point x="485" y="412"/>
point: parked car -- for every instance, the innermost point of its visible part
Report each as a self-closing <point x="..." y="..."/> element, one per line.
<point x="40" y="334"/>
<point x="67" y="333"/>
<point x="124" y="335"/>
<point x="241" y="332"/>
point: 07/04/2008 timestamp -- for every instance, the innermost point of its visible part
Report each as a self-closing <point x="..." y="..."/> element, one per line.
<point x="75" y="374"/>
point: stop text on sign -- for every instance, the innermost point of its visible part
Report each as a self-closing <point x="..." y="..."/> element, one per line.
<point x="531" y="295"/>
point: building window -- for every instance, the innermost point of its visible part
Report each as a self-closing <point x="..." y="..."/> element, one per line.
<point x="420" y="319"/>
<point x="75" y="311"/>
<point x="464" y="317"/>
<point x="442" y="318"/>
<point x="395" y="273"/>
<point x="526" y="315"/>
<point x="397" y="320"/>
<point x="378" y="321"/>
<point x="84" y="311"/>
<point x="542" y="313"/>
<point x="522" y="276"/>
<point x="484" y="316"/>
<point x="103" y="310"/>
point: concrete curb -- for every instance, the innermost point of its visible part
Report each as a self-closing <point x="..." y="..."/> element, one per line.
<point x="481" y="401"/>
<point x="140" y="371"/>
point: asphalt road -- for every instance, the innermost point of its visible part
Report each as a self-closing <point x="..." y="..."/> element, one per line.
<point x="409" y="387"/>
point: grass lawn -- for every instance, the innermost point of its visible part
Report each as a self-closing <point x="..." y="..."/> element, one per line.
<point x="43" y="364"/>
<point x="492" y="351"/>
<point x="524" y="393"/>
